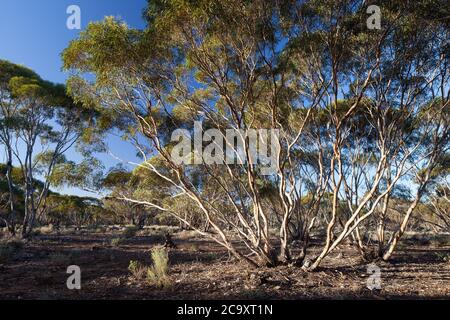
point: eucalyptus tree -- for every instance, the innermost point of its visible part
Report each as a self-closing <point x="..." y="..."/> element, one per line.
<point x="219" y="63"/>
<point x="5" y="197"/>
<point x="310" y="71"/>
<point x="409" y="112"/>
<point x="70" y="210"/>
<point x="440" y="205"/>
<point x="8" y="116"/>
<point x="121" y="184"/>
<point x="396" y="128"/>
<point x="47" y="124"/>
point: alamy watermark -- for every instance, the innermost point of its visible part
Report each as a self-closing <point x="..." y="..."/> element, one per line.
<point x="374" y="280"/>
<point x="74" y="20"/>
<point x="74" y="280"/>
<point x="374" y="21"/>
<point x="231" y="146"/>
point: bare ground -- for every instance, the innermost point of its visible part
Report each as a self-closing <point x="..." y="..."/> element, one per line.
<point x="203" y="270"/>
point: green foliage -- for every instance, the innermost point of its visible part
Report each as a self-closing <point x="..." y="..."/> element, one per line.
<point x="73" y="210"/>
<point x="69" y="173"/>
<point x="116" y="178"/>
<point x="158" y="273"/>
<point x="110" y="43"/>
<point x="33" y="109"/>
<point x="10" y="70"/>
<point x="137" y="270"/>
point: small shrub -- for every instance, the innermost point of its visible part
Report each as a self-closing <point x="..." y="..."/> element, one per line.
<point x="158" y="273"/>
<point x="137" y="270"/>
<point x="130" y="231"/>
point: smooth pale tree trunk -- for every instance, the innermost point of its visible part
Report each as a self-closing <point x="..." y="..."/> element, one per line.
<point x="420" y="191"/>
<point x="401" y="230"/>
<point x="382" y="226"/>
<point x="30" y="206"/>
<point x="25" y="218"/>
<point x="11" y="219"/>
<point x="332" y="222"/>
<point x="285" y="255"/>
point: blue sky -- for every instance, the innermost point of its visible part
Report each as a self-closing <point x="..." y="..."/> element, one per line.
<point x="34" y="33"/>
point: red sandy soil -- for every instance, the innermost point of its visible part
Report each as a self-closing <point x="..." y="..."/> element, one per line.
<point x="203" y="270"/>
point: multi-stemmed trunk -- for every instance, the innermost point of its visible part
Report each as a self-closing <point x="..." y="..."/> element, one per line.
<point x="11" y="218"/>
<point x="30" y="205"/>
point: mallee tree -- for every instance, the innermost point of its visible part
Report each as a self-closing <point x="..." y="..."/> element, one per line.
<point x="360" y="112"/>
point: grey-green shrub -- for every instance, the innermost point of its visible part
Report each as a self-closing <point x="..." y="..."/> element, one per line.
<point x="158" y="273"/>
<point x="136" y="269"/>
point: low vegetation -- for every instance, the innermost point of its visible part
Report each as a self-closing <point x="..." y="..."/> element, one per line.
<point x="157" y="274"/>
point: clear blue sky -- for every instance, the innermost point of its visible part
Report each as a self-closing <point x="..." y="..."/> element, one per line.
<point x="34" y="33"/>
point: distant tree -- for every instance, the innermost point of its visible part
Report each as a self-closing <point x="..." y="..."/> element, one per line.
<point x="72" y="210"/>
<point x="5" y="197"/>
<point x="440" y="205"/>
<point x="9" y="108"/>
<point x="36" y="113"/>
<point x="120" y="183"/>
